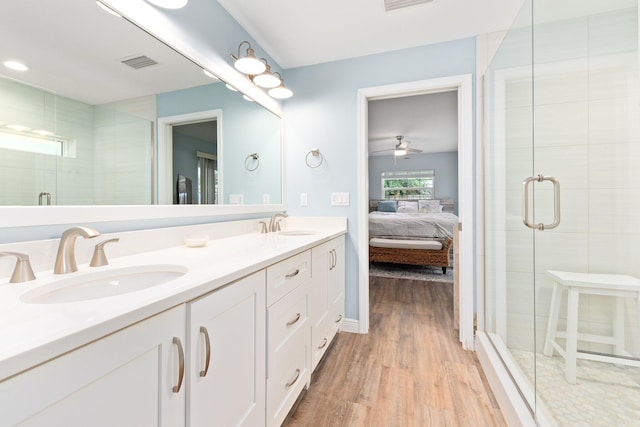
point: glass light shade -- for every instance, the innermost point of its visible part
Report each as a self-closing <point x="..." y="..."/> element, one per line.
<point x="169" y="4"/>
<point x="209" y="74"/>
<point x="250" y="65"/>
<point x="247" y="98"/>
<point x="42" y="132"/>
<point x="267" y="80"/>
<point x="231" y="88"/>
<point x="400" y="152"/>
<point x="280" y="92"/>
<point x="18" y="128"/>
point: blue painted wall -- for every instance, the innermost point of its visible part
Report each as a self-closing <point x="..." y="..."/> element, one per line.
<point x="323" y="114"/>
<point x="444" y="165"/>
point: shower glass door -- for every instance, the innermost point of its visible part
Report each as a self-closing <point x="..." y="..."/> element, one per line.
<point x="563" y="155"/>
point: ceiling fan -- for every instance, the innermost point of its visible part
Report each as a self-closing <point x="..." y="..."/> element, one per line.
<point x="401" y="148"/>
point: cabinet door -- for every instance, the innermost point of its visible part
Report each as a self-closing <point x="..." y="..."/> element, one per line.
<point x="129" y="378"/>
<point x="226" y="369"/>
<point x="336" y="284"/>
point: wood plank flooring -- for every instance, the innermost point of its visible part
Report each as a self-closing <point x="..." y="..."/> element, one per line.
<point x="410" y="370"/>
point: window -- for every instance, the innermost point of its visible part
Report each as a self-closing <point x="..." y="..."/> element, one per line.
<point x="54" y="146"/>
<point x="408" y="185"/>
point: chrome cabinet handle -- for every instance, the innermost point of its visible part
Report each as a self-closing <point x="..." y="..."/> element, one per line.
<point x="339" y="319"/>
<point x="293" y="381"/>
<point x="324" y="344"/>
<point x="332" y="261"/>
<point x="207" y="346"/>
<point x="294" y="321"/>
<point x="556" y="202"/>
<point x="176" y="341"/>
<point x="294" y="274"/>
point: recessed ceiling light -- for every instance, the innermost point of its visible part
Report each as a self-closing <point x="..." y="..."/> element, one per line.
<point x="18" y="128"/>
<point x="108" y="9"/>
<point x="169" y="4"/>
<point x="15" y="65"/>
<point x="209" y="74"/>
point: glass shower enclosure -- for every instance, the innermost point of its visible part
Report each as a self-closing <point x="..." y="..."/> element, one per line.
<point x="562" y="210"/>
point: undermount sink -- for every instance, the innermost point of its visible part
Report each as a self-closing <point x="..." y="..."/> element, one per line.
<point x="298" y="233"/>
<point x="104" y="283"/>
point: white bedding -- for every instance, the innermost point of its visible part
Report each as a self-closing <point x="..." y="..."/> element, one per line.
<point x="411" y="225"/>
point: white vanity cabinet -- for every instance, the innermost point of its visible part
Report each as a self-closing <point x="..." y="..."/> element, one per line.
<point x="326" y="296"/>
<point x="133" y="377"/>
<point x="226" y="363"/>
<point x="288" y="334"/>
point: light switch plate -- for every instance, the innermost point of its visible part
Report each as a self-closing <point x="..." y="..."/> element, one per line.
<point x="339" y="199"/>
<point x="266" y="199"/>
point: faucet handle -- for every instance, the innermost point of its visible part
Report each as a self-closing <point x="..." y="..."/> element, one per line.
<point x="277" y="225"/>
<point x="263" y="228"/>
<point x="22" y="271"/>
<point x="99" y="258"/>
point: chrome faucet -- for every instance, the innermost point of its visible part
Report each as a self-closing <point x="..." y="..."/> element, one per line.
<point x="66" y="257"/>
<point x="274" y="224"/>
<point x="22" y="271"/>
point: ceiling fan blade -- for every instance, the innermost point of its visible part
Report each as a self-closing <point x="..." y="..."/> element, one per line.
<point x="382" y="151"/>
<point x="413" y="150"/>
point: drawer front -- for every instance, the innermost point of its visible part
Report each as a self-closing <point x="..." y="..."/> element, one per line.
<point x="289" y="375"/>
<point x="286" y="275"/>
<point x="286" y="317"/>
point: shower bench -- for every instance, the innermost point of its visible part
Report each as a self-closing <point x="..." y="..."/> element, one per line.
<point x="612" y="285"/>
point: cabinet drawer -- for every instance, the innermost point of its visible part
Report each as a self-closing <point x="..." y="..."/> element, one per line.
<point x="286" y="275"/>
<point x="286" y="317"/>
<point x="289" y="375"/>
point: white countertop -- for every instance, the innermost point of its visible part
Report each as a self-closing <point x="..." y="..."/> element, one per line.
<point x="34" y="333"/>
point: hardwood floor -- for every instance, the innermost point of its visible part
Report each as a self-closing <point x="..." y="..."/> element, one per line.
<point x="410" y="370"/>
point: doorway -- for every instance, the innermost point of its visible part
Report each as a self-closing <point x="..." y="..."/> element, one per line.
<point x="202" y="167"/>
<point x="463" y="86"/>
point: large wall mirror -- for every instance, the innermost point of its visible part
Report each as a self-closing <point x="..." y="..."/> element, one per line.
<point x="108" y="115"/>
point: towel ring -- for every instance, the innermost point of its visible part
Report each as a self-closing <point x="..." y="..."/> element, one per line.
<point x="254" y="156"/>
<point x="314" y="153"/>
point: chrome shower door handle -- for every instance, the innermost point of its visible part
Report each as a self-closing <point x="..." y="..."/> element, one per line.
<point x="556" y="202"/>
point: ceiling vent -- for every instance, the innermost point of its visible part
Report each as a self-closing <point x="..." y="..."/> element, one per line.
<point x="139" y="62"/>
<point x="399" y="4"/>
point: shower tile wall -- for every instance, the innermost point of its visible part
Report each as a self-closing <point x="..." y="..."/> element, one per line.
<point x="587" y="134"/>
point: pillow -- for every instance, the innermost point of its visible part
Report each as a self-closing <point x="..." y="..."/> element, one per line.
<point x="408" y="206"/>
<point x="387" y="206"/>
<point x="429" y="206"/>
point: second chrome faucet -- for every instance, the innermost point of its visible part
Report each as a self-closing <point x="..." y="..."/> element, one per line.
<point x="66" y="256"/>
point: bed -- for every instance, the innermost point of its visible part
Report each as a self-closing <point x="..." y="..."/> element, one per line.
<point x="410" y="232"/>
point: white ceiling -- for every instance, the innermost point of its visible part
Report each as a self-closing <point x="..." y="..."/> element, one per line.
<point x="429" y="122"/>
<point x="297" y="33"/>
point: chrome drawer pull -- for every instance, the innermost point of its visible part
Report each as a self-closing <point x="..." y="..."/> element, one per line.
<point x="294" y="274"/>
<point x="294" y="321"/>
<point x="207" y="344"/>
<point x="339" y="319"/>
<point x="288" y="385"/>
<point x="176" y="388"/>
<point x="324" y="344"/>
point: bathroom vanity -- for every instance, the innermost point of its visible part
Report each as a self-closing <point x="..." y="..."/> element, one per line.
<point x="232" y="340"/>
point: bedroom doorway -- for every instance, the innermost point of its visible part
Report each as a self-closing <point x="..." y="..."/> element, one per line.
<point x="460" y="89"/>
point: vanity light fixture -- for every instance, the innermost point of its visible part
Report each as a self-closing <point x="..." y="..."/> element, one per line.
<point x="267" y="79"/>
<point x="248" y="64"/>
<point x="169" y="4"/>
<point x="281" y="91"/>
<point x="42" y="132"/>
<point x="259" y="72"/>
<point x="15" y="65"/>
<point x="231" y="88"/>
<point x="247" y="98"/>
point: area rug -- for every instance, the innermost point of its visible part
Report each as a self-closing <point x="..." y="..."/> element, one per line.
<point x="410" y="272"/>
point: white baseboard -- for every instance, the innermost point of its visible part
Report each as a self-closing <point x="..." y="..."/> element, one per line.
<point x="351" y="325"/>
<point x="512" y="404"/>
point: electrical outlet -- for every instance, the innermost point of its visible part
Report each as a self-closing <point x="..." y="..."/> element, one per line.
<point x="303" y="199"/>
<point x="339" y="199"/>
<point x="266" y="199"/>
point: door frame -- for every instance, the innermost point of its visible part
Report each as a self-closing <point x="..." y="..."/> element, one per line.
<point x="463" y="84"/>
<point x="164" y="150"/>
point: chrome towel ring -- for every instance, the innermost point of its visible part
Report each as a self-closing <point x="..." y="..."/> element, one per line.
<point x="256" y="158"/>
<point x="314" y="153"/>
